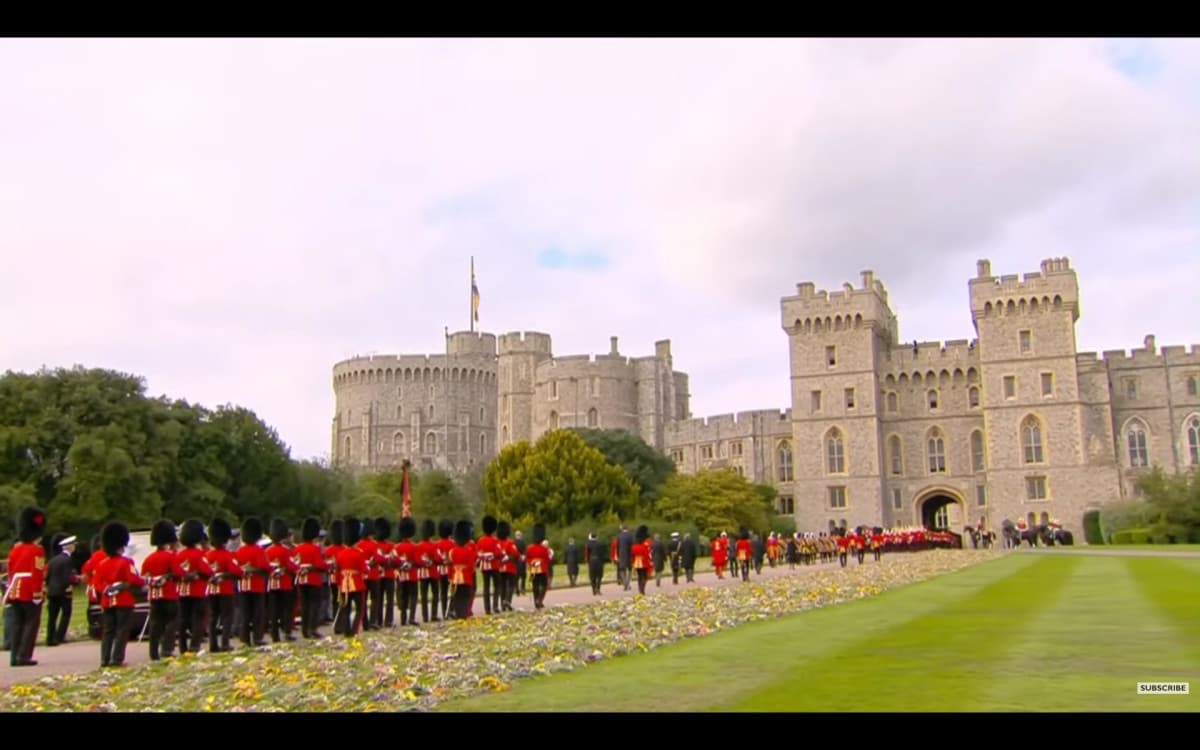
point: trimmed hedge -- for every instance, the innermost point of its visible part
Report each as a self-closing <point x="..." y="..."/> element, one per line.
<point x="1091" y="527"/>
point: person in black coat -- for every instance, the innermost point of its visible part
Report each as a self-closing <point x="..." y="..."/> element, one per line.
<point x="625" y="557"/>
<point x="759" y="550"/>
<point x="687" y="557"/>
<point x="571" y="556"/>
<point x="60" y="577"/>
<point x="658" y="553"/>
<point x="674" y="552"/>
<point x="596" y="557"/>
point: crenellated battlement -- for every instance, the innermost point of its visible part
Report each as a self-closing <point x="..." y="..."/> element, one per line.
<point x="463" y="343"/>
<point x="932" y="354"/>
<point x="739" y="421"/>
<point x="524" y="342"/>
<point x="386" y="369"/>
<point x="1053" y="288"/>
<point x="811" y="310"/>
<point x="1150" y="356"/>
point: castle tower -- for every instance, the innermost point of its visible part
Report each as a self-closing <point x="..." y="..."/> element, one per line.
<point x="519" y="355"/>
<point x="1044" y="418"/>
<point x="834" y="454"/>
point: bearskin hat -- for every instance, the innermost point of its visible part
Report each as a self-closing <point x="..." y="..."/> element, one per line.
<point x="408" y="528"/>
<point x="744" y="534"/>
<point x="31" y="522"/>
<point x="489" y="524"/>
<point x="642" y="533"/>
<point x="279" y="530"/>
<point x="310" y="529"/>
<point x="337" y="532"/>
<point x="428" y="528"/>
<point x="219" y="532"/>
<point x="445" y="528"/>
<point x="539" y="533"/>
<point x="503" y="529"/>
<point x="191" y="532"/>
<point x="383" y="529"/>
<point x="464" y="531"/>
<point x="352" y="531"/>
<point x="163" y="533"/>
<point x="114" y="536"/>
<point x="252" y="530"/>
<point x="95" y="544"/>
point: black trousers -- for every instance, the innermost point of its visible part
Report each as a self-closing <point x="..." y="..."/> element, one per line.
<point x="675" y="572"/>
<point x="347" y="624"/>
<point x="489" y="586"/>
<point x="389" y="601"/>
<point x="408" y="602"/>
<point x="116" y="622"/>
<point x="429" y="590"/>
<point x="461" y="601"/>
<point x="60" y="618"/>
<point x="572" y="574"/>
<point x="254" y="618"/>
<point x="26" y="619"/>
<point x="444" y="593"/>
<point x="690" y="573"/>
<point x="281" y="608"/>
<point x="220" y="617"/>
<point x="375" y="604"/>
<point x="642" y="574"/>
<point x="191" y="623"/>
<point x="745" y="564"/>
<point x="508" y="584"/>
<point x="540" y="583"/>
<point x="596" y="576"/>
<point x="310" y="609"/>
<point x="658" y="576"/>
<point x="164" y="627"/>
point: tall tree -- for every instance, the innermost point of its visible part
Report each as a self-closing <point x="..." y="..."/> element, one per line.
<point x="648" y="467"/>
<point x="715" y="501"/>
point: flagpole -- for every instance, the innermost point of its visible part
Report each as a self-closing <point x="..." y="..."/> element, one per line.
<point x="471" y="296"/>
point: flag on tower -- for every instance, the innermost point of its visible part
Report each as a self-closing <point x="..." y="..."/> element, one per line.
<point x="406" y="493"/>
<point x="474" y="294"/>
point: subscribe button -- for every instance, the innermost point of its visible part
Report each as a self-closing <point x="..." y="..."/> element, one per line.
<point x="1164" y="688"/>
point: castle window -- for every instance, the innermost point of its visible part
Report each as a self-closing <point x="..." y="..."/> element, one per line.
<point x="816" y="401"/>
<point x="1010" y="386"/>
<point x="504" y="434"/>
<point x="835" y="452"/>
<point x="897" y="499"/>
<point x="1035" y="488"/>
<point x="787" y="505"/>
<point x="973" y="397"/>
<point x="837" y="498"/>
<point x="831" y="355"/>
<point x="895" y="454"/>
<point x="1193" y="385"/>
<point x="1193" y="441"/>
<point x="400" y="392"/>
<point x="1131" y="389"/>
<point x="553" y="390"/>
<point x="735" y="448"/>
<point x="977" y="451"/>
<point x="481" y="420"/>
<point x="981" y="495"/>
<point x="706" y="452"/>
<point x="1031" y="440"/>
<point x="431" y="443"/>
<point x="431" y="391"/>
<point x="554" y="420"/>
<point x="893" y="402"/>
<point x="677" y="456"/>
<point x="1136" y="439"/>
<point x="1025" y="341"/>
<point x="784" y="465"/>
<point x="346" y="448"/>
<point x="593" y="417"/>
<point x="933" y="398"/>
<point x="937" y="452"/>
<point x="398" y="442"/>
<point x="482" y="444"/>
<point x="849" y="398"/>
<point x="431" y="412"/>
<point x="739" y="470"/>
<point x="399" y="413"/>
<point x="1047" y="384"/>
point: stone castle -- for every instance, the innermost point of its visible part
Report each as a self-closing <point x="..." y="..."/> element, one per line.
<point x="1013" y="424"/>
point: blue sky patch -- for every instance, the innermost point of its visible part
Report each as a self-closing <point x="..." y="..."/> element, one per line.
<point x="557" y="259"/>
<point x="1135" y="58"/>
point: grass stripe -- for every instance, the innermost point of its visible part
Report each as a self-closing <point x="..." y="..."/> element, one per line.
<point x="938" y="661"/>
<point x="705" y="673"/>
<point x="1087" y="650"/>
<point x="1172" y="587"/>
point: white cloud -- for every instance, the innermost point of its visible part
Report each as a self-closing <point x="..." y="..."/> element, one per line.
<point x="229" y="218"/>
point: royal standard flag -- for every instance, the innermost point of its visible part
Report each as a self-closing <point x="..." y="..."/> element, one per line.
<point x="474" y="298"/>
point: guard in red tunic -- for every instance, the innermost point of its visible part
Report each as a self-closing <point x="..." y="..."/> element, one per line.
<point x="537" y="559"/>
<point x="463" y="559"/>
<point x="745" y="551"/>
<point x="336" y="543"/>
<point x="89" y="569"/>
<point x="407" y="570"/>
<point x="639" y="558"/>
<point x="428" y="556"/>
<point x="252" y="586"/>
<point x="163" y="575"/>
<point x="386" y="556"/>
<point x="843" y="545"/>
<point x="281" y="585"/>
<point x="222" y="587"/>
<point x="375" y="565"/>
<point x="352" y="581"/>
<point x="488" y="553"/>
<point x="720" y="554"/>
<point x="116" y="581"/>
<point x="445" y="544"/>
<point x="193" y="586"/>
<point x="877" y="542"/>
<point x="310" y="565"/>
<point x="506" y="568"/>
<point x="26" y="584"/>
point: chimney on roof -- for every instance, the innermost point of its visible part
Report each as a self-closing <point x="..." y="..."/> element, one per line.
<point x="613" y="346"/>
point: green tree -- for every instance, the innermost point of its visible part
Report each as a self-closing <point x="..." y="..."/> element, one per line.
<point x="1173" y="504"/>
<point x="715" y="500"/>
<point x="436" y="496"/>
<point x="559" y="480"/>
<point x="648" y="467"/>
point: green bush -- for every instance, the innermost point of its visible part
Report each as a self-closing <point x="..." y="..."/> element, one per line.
<point x="1133" y="536"/>
<point x="1091" y="527"/>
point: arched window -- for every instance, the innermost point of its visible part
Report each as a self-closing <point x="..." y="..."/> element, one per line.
<point x="346" y="448"/>
<point x="398" y="442"/>
<point x="483" y="443"/>
<point x="1193" y="441"/>
<point x="431" y="412"/>
<point x="431" y="443"/>
<point x="554" y="420"/>
<point x="784" y="461"/>
<point x="977" y="451"/>
<point x="1031" y="440"/>
<point x="937" y="452"/>
<point x="593" y="417"/>
<point x="896" y="455"/>
<point x="893" y="402"/>
<point x="504" y="434"/>
<point x="973" y="397"/>
<point x="835" y="452"/>
<point x="932" y="395"/>
<point x="399" y="413"/>
<point x="1135" y="437"/>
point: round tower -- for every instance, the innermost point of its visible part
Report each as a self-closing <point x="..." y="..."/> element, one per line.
<point x="519" y="354"/>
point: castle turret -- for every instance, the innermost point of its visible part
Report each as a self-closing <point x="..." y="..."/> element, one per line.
<point x="519" y="355"/>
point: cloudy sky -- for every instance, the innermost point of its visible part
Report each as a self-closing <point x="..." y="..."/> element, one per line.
<point x="229" y="218"/>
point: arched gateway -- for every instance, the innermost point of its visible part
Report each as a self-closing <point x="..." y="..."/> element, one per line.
<point x="940" y="508"/>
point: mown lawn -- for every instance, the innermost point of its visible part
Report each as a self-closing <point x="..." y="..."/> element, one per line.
<point x="1022" y="633"/>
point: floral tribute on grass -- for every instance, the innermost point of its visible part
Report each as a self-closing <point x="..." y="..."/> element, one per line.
<point x="415" y="669"/>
